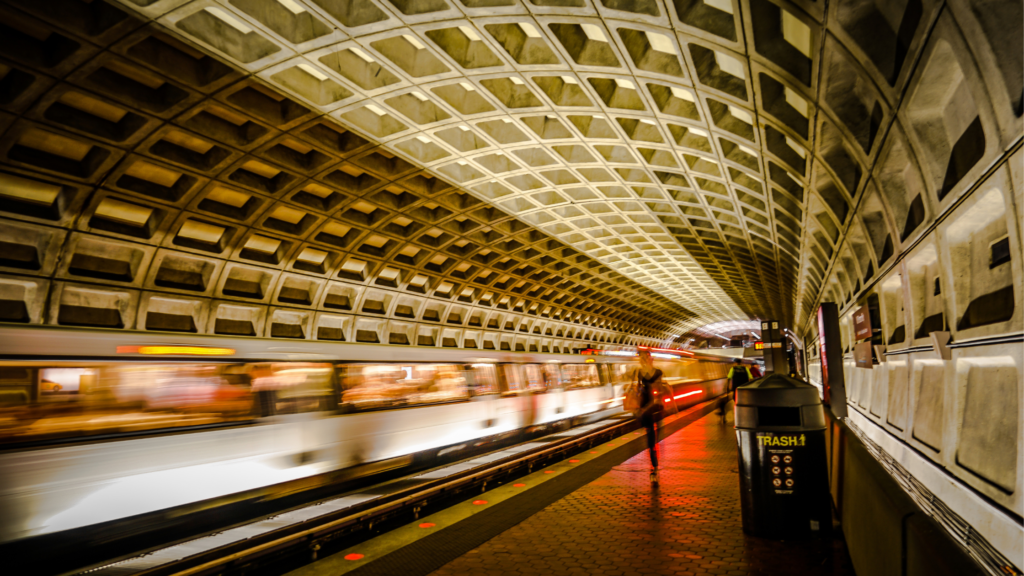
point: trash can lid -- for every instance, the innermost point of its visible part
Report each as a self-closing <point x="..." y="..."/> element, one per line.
<point x="777" y="390"/>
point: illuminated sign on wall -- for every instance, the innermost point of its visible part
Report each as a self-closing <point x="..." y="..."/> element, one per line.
<point x="862" y="323"/>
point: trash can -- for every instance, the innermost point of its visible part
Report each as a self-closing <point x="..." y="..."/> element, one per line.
<point x="780" y="429"/>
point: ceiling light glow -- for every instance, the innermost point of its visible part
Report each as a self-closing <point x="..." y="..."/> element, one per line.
<point x="313" y="72"/>
<point x="228" y="19"/>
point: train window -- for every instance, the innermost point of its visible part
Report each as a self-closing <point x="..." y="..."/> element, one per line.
<point x="553" y="376"/>
<point x="76" y="401"/>
<point x="513" y="380"/>
<point x="534" y="377"/>
<point x="482" y="379"/>
<point x="580" y="375"/>
<point x="369" y="386"/>
<point x="292" y="388"/>
<point x="623" y="373"/>
<point x="65" y="384"/>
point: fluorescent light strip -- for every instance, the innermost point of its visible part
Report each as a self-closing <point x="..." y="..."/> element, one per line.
<point x="470" y="33"/>
<point x="225" y="17"/>
<point x="414" y="41"/>
<point x="794" y="100"/>
<point x="313" y="72"/>
<point x="796" y="147"/>
<point x="292" y="5"/>
<point x="362" y="55"/>
<point x="682" y="94"/>
<point x="660" y="43"/>
<point x="729" y="65"/>
<point x="796" y="33"/>
<point x="594" y="32"/>
<point x="741" y="115"/>
<point x="723" y="5"/>
<point x="529" y="30"/>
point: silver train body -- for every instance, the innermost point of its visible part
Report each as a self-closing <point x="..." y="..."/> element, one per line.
<point x="98" y="426"/>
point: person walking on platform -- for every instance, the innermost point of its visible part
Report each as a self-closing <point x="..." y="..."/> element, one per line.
<point x="738" y="375"/>
<point x="648" y="379"/>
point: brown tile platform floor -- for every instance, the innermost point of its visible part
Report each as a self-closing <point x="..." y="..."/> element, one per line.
<point x="618" y="524"/>
<point x="598" y="514"/>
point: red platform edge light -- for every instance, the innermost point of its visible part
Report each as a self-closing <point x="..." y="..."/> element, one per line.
<point x="520" y="485"/>
<point x="353" y="556"/>
<point x="682" y="353"/>
<point x="686" y="353"/>
<point x="677" y="397"/>
<point x="427" y="525"/>
<point x="479" y="502"/>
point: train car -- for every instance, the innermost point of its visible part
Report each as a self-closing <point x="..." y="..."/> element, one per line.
<point x="100" y="426"/>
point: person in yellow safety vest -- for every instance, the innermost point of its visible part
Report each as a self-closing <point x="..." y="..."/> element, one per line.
<point x="738" y="375"/>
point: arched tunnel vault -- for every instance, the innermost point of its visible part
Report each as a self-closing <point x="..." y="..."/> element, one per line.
<point x="482" y="173"/>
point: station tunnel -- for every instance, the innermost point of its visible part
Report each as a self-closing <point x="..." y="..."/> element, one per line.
<point x="461" y="183"/>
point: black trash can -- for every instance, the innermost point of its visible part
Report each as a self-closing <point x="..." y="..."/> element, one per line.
<point x="780" y="429"/>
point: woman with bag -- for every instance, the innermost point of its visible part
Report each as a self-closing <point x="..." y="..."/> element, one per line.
<point x="648" y="384"/>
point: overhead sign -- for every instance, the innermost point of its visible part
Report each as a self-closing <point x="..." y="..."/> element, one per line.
<point x="758" y="345"/>
<point x="862" y="323"/>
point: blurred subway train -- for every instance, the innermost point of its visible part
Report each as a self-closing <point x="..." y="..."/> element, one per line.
<point x="100" y="426"/>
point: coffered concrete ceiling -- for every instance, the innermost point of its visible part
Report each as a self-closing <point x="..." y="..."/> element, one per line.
<point x="640" y="167"/>
<point x="578" y="126"/>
